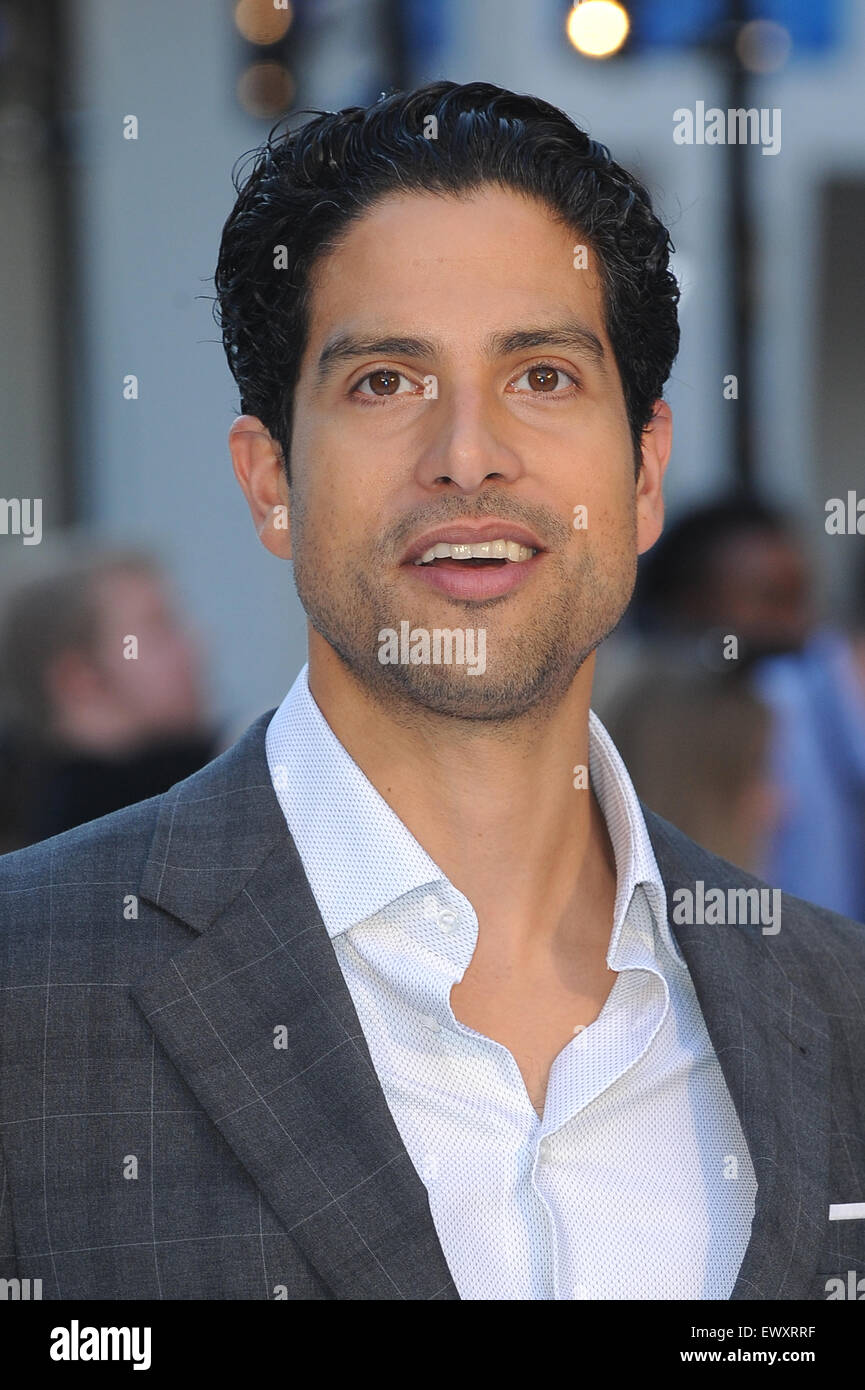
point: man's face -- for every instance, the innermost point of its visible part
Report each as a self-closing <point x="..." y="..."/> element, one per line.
<point x="466" y="427"/>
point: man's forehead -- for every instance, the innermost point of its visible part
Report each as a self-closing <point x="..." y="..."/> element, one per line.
<point x="489" y="233"/>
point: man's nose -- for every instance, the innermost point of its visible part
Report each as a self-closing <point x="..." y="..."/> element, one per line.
<point x="467" y="441"/>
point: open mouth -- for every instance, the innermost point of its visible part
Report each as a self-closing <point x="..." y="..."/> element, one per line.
<point x="476" y="571"/>
<point x="484" y="554"/>
<point x="473" y="563"/>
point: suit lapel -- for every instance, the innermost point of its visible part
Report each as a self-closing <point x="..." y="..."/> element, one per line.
<point x="256" y="1016"/>
<point x="773" y="1046"/>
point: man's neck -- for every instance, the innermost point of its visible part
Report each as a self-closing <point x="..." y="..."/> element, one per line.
<point x="495" y="807"/>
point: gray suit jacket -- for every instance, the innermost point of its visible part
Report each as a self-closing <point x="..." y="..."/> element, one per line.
<point x="157" y="1144"/>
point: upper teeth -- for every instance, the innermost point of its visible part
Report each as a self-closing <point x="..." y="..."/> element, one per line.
<point x="483" y="550"/>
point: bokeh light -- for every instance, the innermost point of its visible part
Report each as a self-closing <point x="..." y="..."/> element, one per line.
<point x="598" y="28"/>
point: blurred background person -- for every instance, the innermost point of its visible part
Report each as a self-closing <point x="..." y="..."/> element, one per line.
<point x="734" y="565"/>
<point x="737" y="568"/>
<point x="857" y="627"/>
<point x="697" y="747"/>
<point x="101" y="694"/>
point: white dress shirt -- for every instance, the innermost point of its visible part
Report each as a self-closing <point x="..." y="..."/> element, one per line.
<point x="637" y="1182"/>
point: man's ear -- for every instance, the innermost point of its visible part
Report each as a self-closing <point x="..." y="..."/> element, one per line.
<point x="656" y="443"/>
<point x="258" y="467"/>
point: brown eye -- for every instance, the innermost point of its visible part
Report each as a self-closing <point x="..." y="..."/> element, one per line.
<point x="384" y="383"/>
<point x="543" y="378"/>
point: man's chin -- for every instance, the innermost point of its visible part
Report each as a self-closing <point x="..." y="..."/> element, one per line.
<point x="453" y="692"/>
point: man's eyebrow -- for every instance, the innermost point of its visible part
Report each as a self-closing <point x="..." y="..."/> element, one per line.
<point x="569" y="333"/>
<point x="345" y="347"/>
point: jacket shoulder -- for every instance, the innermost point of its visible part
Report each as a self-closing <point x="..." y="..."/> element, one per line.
<point x="121" y="841"/>
<point x="822" y="951"/>
<point x="71" y="883"/>
<point x="115" y="844"/>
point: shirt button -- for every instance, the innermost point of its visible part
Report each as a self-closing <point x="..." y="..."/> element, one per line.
<point x="545" y="1149"/>
<point x="447" y="920"/>
<point x="432" y="1024"/>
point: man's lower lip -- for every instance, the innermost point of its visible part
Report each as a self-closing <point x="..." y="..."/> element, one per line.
<point x="461" y="580"/>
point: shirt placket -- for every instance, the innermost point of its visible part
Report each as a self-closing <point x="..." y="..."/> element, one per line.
<point x="592" y="1055"/>
<point x="450" y="928"/>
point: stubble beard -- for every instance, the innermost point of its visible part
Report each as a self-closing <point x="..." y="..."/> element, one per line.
<point x="529" y="668"/>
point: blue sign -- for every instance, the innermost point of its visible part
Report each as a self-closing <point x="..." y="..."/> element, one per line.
<point x="815" y="26"/>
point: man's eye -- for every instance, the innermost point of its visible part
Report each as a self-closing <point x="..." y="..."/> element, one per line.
<point x="546" y="380"/>
<point x="384" y="382"/>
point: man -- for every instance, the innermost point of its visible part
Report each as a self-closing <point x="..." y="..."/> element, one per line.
<point x="738" y="566"/>
<point x="735" y="565"/>
<point x="668" y="718"/>
<point x="102" y="693"/>
<point x="385" y="1002"/>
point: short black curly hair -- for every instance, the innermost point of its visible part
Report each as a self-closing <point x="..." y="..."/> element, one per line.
<point x="307" y="185"/>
